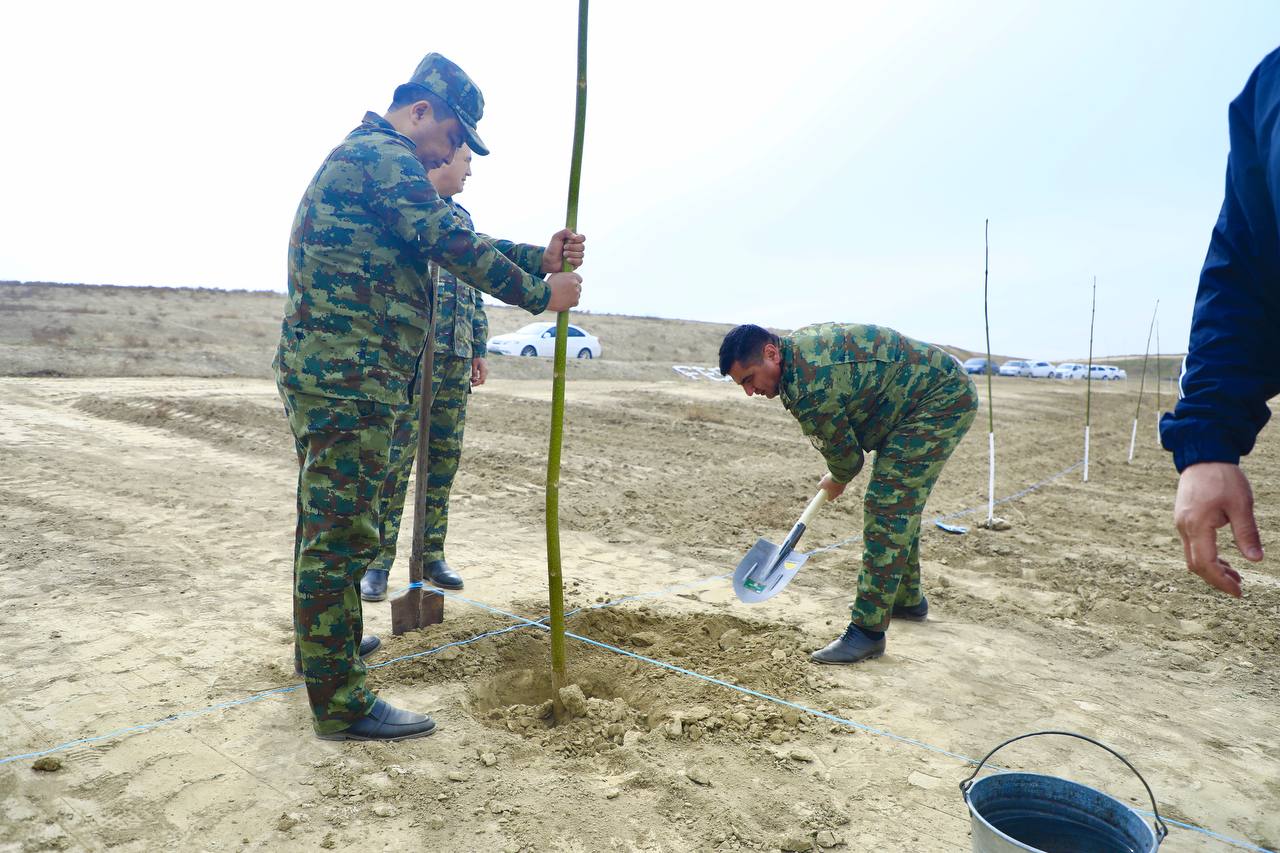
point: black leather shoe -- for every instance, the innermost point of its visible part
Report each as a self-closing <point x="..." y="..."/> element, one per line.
<point x="368" y="646"/>
<point x="373" y="586"/>
<point x="439" y="573"/>
<point x="386" y="722"/>
<point x="916" y="612"/>
<point x="851" y="647"/>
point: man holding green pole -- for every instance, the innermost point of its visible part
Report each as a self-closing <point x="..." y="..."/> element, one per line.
<point x="462" y="329"/>
<point x="855" y="388"/>
<point x="367" y="230"/>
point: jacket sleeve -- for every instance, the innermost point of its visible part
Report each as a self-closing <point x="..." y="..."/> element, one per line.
<point x="479" y="329"/>
<point x="824" y="421"/>
<point x="1231" y="369"/>
<point x="523" y="255"/>
<point x="401" y="195"/>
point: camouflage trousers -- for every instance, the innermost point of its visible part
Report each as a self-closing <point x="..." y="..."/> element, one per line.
<point x="906" y="466"/>
<point x="451" y="385"/>
<point x="343" y="457"/>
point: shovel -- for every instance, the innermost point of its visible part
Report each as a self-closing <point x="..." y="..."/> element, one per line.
<point x="768" y="568"/>
<point x="417" y="607"/>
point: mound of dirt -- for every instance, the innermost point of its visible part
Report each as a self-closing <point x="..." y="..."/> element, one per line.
<point x="612" y="700"/>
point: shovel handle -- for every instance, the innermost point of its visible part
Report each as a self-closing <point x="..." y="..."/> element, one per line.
<point x="793" y="538"/>
<point x="426" y="372"/>
<point x="811" y="510"/>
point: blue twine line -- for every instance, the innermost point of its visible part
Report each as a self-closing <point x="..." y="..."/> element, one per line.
<point x="1246" y="845"/>
<point x="970" y="511"/>
<point x="415" y="585"/>
<point x="163" y="721"/>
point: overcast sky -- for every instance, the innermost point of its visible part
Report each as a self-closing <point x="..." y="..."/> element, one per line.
<point x="745" y="162"/>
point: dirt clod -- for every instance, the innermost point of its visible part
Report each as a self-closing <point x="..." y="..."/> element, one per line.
<point x="574" y="701"/>
<point x="827" y="839"/>
<point x="698" y="775"/>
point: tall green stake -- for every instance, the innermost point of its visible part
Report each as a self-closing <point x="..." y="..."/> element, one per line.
<point x="991" y="415"/>
<point x="1088" y="379"/>
<point x="1133" y="436"/>
<point x="555" y="583"/>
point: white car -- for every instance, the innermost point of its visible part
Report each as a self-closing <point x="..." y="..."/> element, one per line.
<point x="1114" y="372"/>
<point x="1041" y="370"/>
<point x="1069" y="370"/>
<point x="1015" y="368"/>
<point x="540" y="339"/>
<point x="1099" y="373"/>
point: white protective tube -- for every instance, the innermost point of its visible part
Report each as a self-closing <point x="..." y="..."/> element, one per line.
<point x="1133" y="439"/>
<point x="1086" y="453"/>
<point x="991" y="476"/>
<point x="1158" y="442"/>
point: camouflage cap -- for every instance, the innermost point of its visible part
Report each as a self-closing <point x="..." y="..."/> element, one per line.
<point x="446" y="80"/>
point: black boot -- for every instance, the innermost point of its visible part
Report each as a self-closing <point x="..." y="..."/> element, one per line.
<point x="915" y="612"/>
<point x="386" y="722"/>
<point x="439" y="573"/>
<point x="373" y="586"/>
<point x="852" y="646"/>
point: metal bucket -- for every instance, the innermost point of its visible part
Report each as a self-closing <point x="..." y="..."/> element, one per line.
<point x="1044" y="814"/>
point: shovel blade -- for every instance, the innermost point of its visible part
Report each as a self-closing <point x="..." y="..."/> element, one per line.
<point x="764" y="572"/>
<point x="416" y="608"/>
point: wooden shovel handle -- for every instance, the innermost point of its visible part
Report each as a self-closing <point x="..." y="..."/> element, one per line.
<point x="422" y="469"/>
<point x="818" y="500"/>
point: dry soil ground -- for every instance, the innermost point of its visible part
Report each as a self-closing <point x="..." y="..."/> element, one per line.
<point x="145" y="539"/>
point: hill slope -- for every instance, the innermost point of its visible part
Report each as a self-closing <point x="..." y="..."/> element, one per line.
<point x="51" y="329"/>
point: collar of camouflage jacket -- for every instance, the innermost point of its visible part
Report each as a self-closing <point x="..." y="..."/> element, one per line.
<point x="787" y="376"/>
<point x="377" y="124"/>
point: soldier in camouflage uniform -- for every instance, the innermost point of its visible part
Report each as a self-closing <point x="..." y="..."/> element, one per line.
<point x="855" y="388"/>
<point x="462" y="329"/>
<point x="353" y="332"/>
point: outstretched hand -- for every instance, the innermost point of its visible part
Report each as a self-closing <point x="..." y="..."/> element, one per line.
<point x="564" y="245"/>
<point x="1211" y="495"/>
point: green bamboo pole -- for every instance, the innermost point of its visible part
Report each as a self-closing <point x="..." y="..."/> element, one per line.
<point x="1133" y="436"/>
<point x="555" y="582"/>
<point x="991" y="415"/>
<point x="1088" y="379"/>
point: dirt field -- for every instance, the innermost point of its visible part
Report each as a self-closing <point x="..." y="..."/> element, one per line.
<point x="145" y="537"/>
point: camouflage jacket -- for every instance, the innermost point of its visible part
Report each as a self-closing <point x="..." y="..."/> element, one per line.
<point x="462" y="327"/>
<point x="359" y="290"/>
<point x="849" y="385"/>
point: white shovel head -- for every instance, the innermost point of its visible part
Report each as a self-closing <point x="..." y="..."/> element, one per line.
<point x="757" y="578"/>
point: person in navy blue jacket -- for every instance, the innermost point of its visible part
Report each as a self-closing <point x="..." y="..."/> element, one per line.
<point x="1233" y="359"/>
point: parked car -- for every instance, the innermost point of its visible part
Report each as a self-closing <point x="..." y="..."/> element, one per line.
<point x="1041" y="370"/>
<point x="978" y="365"/>
<point x="1069" y="370"/>
<point x="540" y="339"/>
<point x="1116" y="372"/>
<point x="1015" y="367"/>
<point x="1099" y="373"/>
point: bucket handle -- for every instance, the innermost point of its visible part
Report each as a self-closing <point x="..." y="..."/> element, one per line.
<point x="1161" y="830"/>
